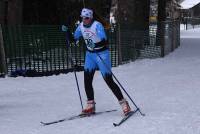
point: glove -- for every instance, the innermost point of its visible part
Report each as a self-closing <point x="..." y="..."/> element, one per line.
<point x="64" y="28"/>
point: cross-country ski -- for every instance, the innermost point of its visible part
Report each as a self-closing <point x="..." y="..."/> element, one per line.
<point x="76" y="117"/>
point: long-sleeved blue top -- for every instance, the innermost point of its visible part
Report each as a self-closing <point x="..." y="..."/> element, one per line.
<point x="99" y="31"/>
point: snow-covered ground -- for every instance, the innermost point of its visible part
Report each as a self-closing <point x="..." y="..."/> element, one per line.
<point x="182" y="27"/>
<point x="166" y="89"/>
<point x="191" y="33"/>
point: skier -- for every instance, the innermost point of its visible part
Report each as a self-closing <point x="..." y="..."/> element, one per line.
<point x="95" y="38"/>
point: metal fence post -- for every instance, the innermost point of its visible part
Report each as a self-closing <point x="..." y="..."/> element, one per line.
<point x="2" y="53"/>
<point x="119" y="49"/>
<point x="160" y="37"/>
<point x="174" y="37"/>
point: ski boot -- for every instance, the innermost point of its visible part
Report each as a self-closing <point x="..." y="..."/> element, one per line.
<point x="90" y="108"/>
<point x="125" y="106"/>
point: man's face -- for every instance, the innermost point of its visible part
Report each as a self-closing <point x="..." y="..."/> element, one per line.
<point x="86" y="20"/>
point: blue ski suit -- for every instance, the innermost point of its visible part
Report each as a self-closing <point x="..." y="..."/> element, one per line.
<point x="97" y="57"/>
<point x="95" y="38"/>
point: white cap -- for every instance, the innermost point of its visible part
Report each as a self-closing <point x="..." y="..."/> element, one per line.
<point x="87" y="13"/>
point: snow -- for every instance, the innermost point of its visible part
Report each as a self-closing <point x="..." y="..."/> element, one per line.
<point x="166" y="89"/>
<point x="186" y="4"/>
<point x="182" y="27"/>
<point x="193" y="33"/>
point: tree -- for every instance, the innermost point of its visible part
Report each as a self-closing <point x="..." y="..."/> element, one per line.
<point x="129" y="12"/>
<point x="11" y="12"/>
<point x="62" y="11"/>
<point x="160" y="25"/>
<point x="14" y="12"/>
<point x="2" y="11"/>
<point x="2" y="54"/>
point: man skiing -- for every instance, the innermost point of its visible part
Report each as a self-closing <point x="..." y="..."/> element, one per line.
<point x="97" y="55"/>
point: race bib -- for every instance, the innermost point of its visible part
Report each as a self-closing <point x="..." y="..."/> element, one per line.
<point x="90" y="35"/>
<point x="89" y="44"/>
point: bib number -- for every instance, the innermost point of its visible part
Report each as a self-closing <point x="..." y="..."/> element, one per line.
<point x="89" y="44"/>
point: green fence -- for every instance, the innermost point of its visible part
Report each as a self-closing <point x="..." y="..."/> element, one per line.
<point x="36" y="49"/>
<point x="41" y="50"/>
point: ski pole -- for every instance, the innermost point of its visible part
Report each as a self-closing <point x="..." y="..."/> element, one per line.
<point x="137" y="108"/>
<point x="72" y="63"/>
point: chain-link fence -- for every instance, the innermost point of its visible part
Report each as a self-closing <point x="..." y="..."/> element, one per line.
<point x="41" y="50"/>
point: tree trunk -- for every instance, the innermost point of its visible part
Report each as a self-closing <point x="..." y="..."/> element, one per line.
<point x="160" y="36"/>
<point x="2" y="12"/>
<point x="119" y="33"/>
<point x="15" y="12"/>
<point x="2" y="54"/>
